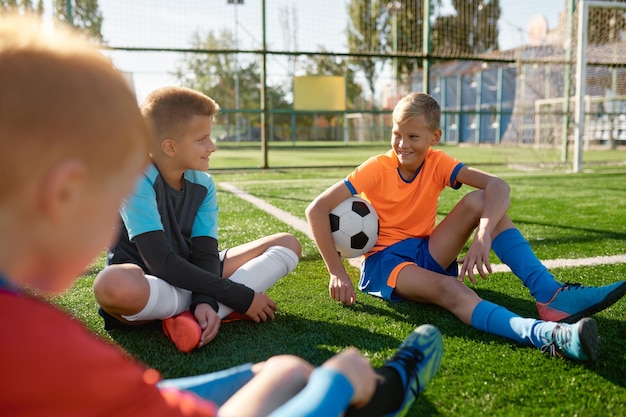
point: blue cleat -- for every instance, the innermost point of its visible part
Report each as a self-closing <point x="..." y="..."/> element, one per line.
<point x="417" y="361"/>
<point x="577" y="341"/>
<point x="574" y="301"/>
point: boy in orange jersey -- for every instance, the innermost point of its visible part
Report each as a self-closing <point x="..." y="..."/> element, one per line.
<point x="73" y="142"/>
<point x="414" y="260"/>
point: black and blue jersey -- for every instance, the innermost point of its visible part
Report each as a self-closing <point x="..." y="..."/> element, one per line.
<point x="172" y="234"/>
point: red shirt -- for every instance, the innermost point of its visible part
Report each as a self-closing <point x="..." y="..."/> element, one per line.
<point x="51" y="365"/>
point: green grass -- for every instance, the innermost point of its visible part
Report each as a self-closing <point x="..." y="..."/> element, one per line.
<point x="563" y="216"/>
<point x="333" y="154"/>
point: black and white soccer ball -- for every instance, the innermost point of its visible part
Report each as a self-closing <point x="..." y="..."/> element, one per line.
<point x="354" y="225"/>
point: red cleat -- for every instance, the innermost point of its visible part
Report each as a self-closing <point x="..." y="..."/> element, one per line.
<point x="235" y="316"/>
<point x="183" y="330"/>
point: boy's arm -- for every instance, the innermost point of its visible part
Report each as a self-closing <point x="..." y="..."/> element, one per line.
<point x="340" y="285"/>
<point x="205" y="254"/>
<point x="496" y="204"/>
<point x="167" y="265"/>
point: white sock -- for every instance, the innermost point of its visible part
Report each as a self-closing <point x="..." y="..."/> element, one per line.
<point x="164" y="301"/>
<point x="263" y="271"/>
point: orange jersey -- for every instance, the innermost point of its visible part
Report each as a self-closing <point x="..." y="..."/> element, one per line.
<point x="52" y="365"/>
<point x="405" y="209"/>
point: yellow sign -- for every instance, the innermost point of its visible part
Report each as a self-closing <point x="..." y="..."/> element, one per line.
<point x="319" y="93"/>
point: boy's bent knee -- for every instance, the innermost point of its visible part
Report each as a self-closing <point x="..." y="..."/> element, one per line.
<point x="289" y="241"/>
<point x="116" y="283"/>
<point x="473" y="201"/>
<point x="290" y="367"/>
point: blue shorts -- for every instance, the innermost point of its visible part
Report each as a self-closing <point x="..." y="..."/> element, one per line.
<point x="380" y="270"/>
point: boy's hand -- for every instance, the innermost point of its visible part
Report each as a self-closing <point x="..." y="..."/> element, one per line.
<point x="359" y="373"/>
<point x="341" y="289"/>
<point x="262" y="308"/>
<point x="477" y="257"/>
<point x="209" y="321"/>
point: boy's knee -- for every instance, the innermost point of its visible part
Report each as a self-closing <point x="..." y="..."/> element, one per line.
<point x="116" y="282"/>
<point x="473" y="202"/>
<point x="289" y="241"/>
<point x="290" y="367"/>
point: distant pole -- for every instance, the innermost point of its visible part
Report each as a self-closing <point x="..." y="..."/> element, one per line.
<point x="394" y="8"/>
<point x="567" y="82"/>
<point x="70" y="13"/>
<point x="581" y="76"/>
<point x="264" y="112"/>
<point x="237" y="104"/>
<point x="426" y="46"/>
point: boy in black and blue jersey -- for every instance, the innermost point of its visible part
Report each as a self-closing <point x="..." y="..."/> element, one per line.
<point x="166" y="264"/>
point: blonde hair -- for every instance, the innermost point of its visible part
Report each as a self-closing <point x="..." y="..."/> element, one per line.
<point x="418" y="104"/>
<point x="60" y="98"/>
<point x="169" y="110"/>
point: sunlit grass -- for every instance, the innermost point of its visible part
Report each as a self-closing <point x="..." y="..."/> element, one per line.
<point x="562" y="215"/>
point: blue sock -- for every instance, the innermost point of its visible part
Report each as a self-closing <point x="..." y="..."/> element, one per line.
<point x="492" y="318"/>
<point x="515" y="251"/>
<point x="217" y="387"/>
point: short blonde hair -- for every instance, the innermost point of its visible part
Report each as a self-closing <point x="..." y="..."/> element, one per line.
<point x="169" y="110"/>
<point x="60" y="98"/>
<point x="418" y="104"/>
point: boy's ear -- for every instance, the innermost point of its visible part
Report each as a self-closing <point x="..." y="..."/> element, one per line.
<point x="436" y="136"/>
<point x="62" y="189"/>
<point x="168" y="146"/>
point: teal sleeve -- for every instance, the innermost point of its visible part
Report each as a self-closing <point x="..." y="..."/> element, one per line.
<point x="327" y="394"/>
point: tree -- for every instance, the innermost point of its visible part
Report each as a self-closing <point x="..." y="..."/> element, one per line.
<point x="406" y="20"/>
<point x="226" y="77"/>
<point x="396" y="28"/>
<point x="86" y="15"/>
<point x="472" y="30"/>
<point x="22" y="6"/>
<point x="386" y="28"/>
<point x="364" y="31"/>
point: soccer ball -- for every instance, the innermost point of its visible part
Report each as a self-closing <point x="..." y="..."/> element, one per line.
<point x="354" y="225"/>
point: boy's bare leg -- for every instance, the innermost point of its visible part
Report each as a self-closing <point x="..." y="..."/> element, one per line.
<point x="276" y="381"/>
<point x="122" y="290"/>
<point x="454" y="231"/>
<point x="418" y="284"/>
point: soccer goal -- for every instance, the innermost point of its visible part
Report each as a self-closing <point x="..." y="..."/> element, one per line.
<point x="600" y="76"/>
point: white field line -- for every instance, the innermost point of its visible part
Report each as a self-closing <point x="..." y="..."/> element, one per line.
<point x="303" y="227"/>
<point x="282" y="215"/>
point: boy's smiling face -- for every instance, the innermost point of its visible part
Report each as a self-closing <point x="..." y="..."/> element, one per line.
<point x="410" y="141"/>
<point x="195" y="147"/>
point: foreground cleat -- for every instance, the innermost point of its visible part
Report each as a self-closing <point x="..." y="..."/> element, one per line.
<point x="577" y="341"/>
<point x="183" y="330"/>
<point x="417" y="361"/>
<point x="574" y="301"/>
